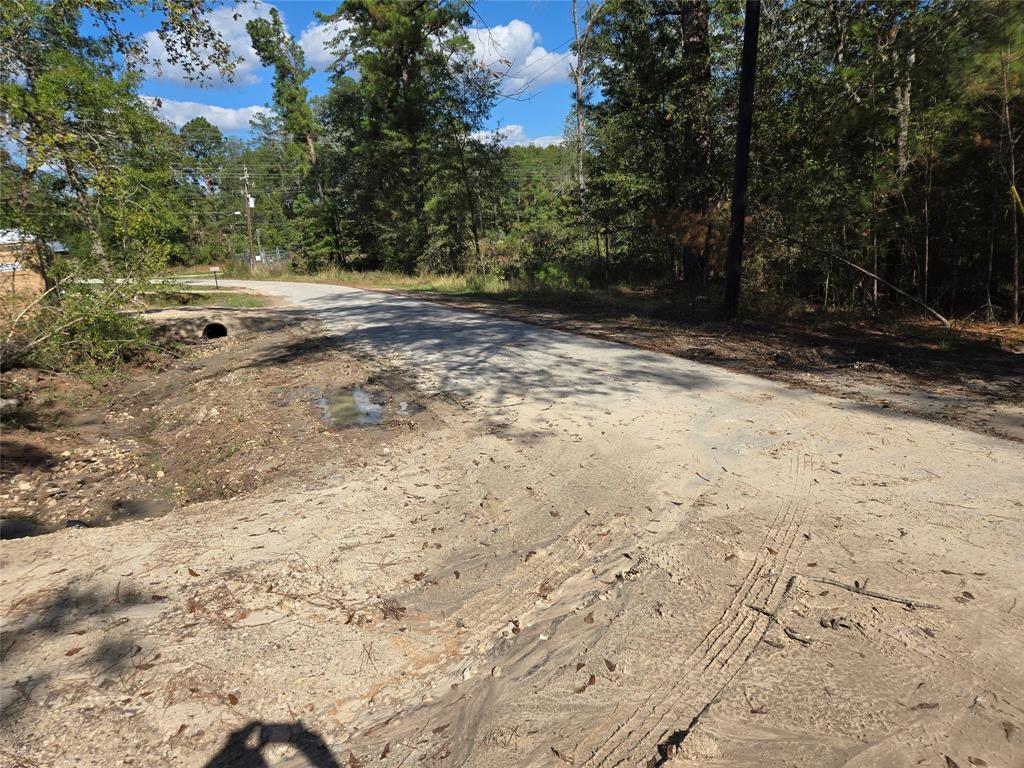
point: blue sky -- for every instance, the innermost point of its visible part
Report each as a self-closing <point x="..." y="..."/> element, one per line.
<point x="533" y="34"/>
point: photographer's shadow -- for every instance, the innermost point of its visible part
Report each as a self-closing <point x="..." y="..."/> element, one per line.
<point x="244" y="747"/>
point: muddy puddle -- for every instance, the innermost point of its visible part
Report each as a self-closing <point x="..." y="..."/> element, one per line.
<point x="359" y="407"/>
<point x="344" y="407"/>
<point x="350" y="407"/>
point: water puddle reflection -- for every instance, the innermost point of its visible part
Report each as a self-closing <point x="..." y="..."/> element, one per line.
<point x="353" y="407"/>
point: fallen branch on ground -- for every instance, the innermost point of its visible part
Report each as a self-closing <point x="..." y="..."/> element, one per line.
<point x="786" y="630"/>
<point x="883" y="281"/>
<point x="773" y="616"/>
<point x="860" y="590"/>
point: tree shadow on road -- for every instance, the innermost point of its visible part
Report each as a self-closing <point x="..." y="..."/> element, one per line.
<point x="491" y="359"/>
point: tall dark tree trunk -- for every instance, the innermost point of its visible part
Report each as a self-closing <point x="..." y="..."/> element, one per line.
<point x="89" y="215"/>
<point x="902" y="109"/>
<point x="926" y="262"/>
<point x="1015" y="198"/>
<point x="744" y="128"/>
<point x="471" y="200"/>
<point x="697" y="57"/>
<point x="697" y="54"/>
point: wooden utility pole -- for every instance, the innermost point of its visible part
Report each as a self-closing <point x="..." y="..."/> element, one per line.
<point x="744" y="123"/>
<point x="577" y="73"/>
<point x="248" y="202"/>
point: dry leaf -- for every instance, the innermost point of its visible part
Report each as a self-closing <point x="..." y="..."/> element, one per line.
<point x="589" y="618"/>
<point x="232" y="699"/>
<point x="192" y="573"/>
<point x="950" y="762"/>
<point x="1009" y="729"/>
<point x="977" y="761"/>
<point x="610" y="664"/>
<point x="772" y="551"/>
<point x="563" y="757"/>
<point x="72" y="651"/>
<point x="386" y="752"/>
<point x="391" y="608"/>
<point x="590" y="681"/>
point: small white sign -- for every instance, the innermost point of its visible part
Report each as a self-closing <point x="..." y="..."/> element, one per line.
<point x="252" y="201"/>
<point x="11" y="266"/>
<point x="215" y="269"/>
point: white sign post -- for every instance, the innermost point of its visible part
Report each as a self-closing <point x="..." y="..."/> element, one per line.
<point x="215" y="271"/>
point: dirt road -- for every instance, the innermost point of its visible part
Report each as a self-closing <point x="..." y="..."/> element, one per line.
<point x="599" y="556"/>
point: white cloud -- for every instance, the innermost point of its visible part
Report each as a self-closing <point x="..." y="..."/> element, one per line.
<point x="515" y="136"/>
<point x="315" y="42"/>
<point x="512" y="51"/>
<point x="230" y="23"/>
<point x="225" y="118"/>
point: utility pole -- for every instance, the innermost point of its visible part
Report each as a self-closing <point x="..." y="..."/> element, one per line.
<point x="744" y="122"/>
<point x="249" y="203"/>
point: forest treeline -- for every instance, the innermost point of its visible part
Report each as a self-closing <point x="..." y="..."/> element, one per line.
<point x="885" y="148"/>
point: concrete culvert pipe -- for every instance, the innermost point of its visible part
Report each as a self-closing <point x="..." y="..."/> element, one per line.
<point x="215" y="331"/>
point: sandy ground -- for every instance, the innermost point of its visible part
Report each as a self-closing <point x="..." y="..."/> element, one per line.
<point x="588" y="555"/>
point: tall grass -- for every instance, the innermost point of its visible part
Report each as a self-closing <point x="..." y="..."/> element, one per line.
<point x="451" y="283"/>
<point x="672" y="304"/>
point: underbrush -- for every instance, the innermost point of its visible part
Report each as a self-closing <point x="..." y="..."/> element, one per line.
<point x="671" y="304"/>
<point x="80" y="328"/>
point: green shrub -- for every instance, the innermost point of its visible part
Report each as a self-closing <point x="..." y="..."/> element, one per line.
<point x="553" y="275"/>
<point x="84" y="327"/>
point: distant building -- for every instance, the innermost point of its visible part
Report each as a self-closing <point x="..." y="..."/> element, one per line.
<point x="19" y="272"/>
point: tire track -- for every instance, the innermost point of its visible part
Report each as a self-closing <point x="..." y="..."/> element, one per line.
<point x="702" y="672"/>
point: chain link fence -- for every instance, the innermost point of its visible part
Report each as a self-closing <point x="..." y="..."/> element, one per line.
<point x="267" y="257"/>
